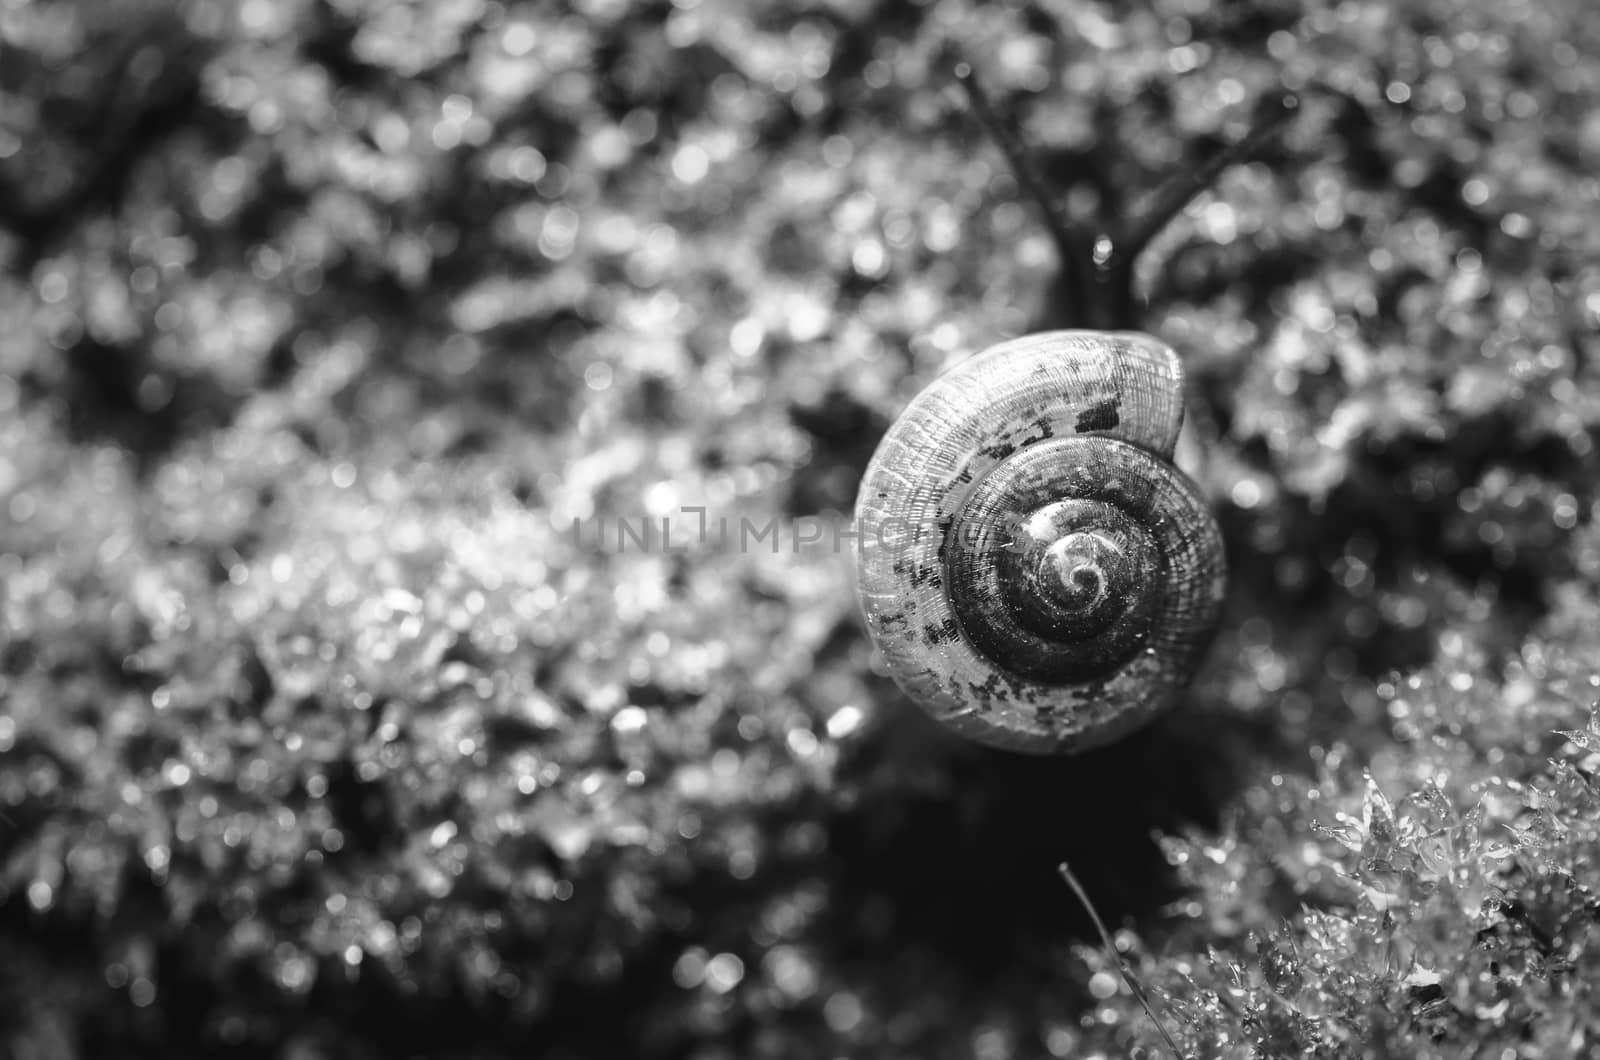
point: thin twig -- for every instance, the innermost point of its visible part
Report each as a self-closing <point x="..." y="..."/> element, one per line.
<point x="1179" y="191"/>
<point x="1073" y="247"/>
<point x="1116" y="957"/>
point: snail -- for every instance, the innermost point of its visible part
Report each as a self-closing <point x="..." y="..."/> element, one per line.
<point x="1036" y="572"/>
<point x="1033" y="568"/>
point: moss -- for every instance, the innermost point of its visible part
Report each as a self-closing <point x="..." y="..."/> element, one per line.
<point x="341" y="344"/>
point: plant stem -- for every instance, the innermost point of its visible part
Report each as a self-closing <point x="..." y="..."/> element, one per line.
<point x="1122" y="966"/>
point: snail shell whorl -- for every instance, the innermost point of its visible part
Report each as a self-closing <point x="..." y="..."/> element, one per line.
<point x="1036" y="572"/>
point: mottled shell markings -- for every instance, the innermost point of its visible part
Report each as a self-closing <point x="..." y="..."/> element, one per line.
<point x="1035" y="571"/>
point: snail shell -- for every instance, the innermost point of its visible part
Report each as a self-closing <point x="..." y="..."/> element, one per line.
<point x="1035" y="571"/>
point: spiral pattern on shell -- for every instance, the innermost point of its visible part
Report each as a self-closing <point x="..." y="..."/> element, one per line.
<point x="1035" y="571"/>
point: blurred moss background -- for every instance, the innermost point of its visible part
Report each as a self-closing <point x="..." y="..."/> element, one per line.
<point x="321" y="735"/>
